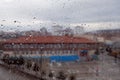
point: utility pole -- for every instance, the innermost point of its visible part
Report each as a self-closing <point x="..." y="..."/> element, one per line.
<point x="41" y="53"/>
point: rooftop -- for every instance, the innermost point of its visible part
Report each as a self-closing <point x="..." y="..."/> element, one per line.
<point x="49" y="39"/>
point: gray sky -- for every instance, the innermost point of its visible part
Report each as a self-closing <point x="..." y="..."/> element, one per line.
<point x="95" y="13"/>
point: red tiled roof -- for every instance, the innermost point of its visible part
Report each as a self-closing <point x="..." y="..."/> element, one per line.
<point x="50" y="39"/>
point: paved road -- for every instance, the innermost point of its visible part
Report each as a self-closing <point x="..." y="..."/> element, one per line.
<point x="104" y="69"/>
<point x="7" y="74"/>
<point x="108" y="69"/>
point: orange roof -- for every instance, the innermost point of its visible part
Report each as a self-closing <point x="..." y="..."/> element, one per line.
<point x="50" y="39"/>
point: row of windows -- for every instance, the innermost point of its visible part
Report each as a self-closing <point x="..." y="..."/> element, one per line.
<point x="47" y="52"/>
<point x="47" y="45"/>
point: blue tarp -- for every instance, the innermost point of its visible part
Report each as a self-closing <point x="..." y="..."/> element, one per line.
<point x="64" y="58"/>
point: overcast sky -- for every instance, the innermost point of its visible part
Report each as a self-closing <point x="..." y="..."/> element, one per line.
<point x="33" y="14"/>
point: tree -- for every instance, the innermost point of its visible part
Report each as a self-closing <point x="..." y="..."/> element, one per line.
<point x="68" y="31"/>
<point x="43" y="31"/>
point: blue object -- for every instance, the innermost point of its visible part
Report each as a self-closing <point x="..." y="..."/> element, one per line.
<point x="84" y="51"/>
<point x="95" y="57"/>
<point x="57" y="58"/>
<point x="64" y="58"/>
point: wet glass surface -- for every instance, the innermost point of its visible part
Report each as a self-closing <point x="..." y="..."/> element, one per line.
<point x="59" y="40"/>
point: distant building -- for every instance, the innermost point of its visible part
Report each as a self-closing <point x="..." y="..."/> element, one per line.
<point x="57" y="30"/>
<point x="94" y="37"/>
<point x="100" y="39"/>
<point x="48" y="45"/>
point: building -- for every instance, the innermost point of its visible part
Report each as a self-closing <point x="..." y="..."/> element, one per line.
<point x="48" y="45"/>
